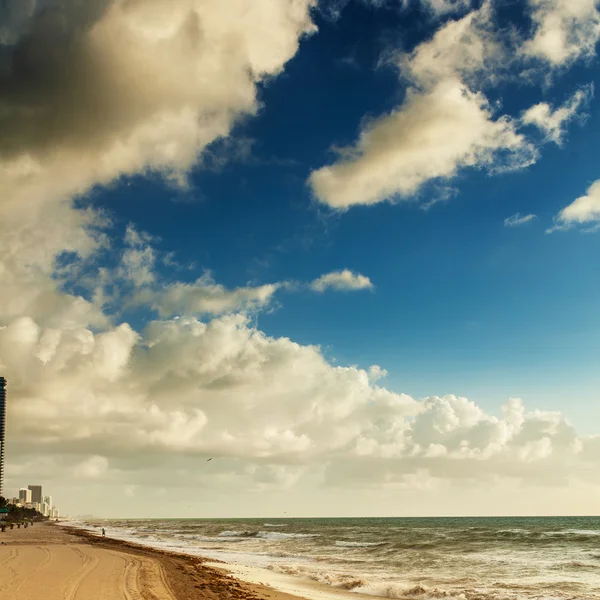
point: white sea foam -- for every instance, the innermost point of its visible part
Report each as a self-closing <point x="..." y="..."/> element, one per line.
<point x="343" y="544"/>
<point x="278" y="535"/>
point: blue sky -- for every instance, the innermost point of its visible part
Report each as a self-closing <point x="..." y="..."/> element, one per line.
<point x="463" y="304"/>
<point x="222" y="219"/>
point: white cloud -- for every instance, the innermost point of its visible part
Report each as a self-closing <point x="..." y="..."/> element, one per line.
<point x="565" y="30"/>
<point x="138" y="260"/>
<point x="91" y="468"/>
<point x="223" y="389"/>
<point x="431" y="136"/>
<point x="151" y="83"/>
<point x="585" y="210"/>
<point x="444" y="7"/>
<point x="518" y="219"/>
<point x="552" y="121"/>
<point x="462" y="49"/>
<point x="441" y="127"/>
<point x="95" y="398"/>
<point x="136" y="407"/>
<point x="344" y="280"/>
<point x="205" y="297"/>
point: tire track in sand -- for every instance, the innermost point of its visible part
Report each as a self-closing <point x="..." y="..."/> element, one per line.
<point x="88" y="564"/>
<point x="140" y="579"/>
<point x="14" y="553"/>
<point x="161" y="574"/>
<point x="25" y="579"/>
<point x="130" y="585"/>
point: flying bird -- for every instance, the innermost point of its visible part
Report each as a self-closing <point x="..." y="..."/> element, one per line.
<point x="209" y="460"/>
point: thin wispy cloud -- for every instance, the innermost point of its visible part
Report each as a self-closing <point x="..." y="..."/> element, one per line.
<point x="517" y="220"/>
<point x="552" y="122"/>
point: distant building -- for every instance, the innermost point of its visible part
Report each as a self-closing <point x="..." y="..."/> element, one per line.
<point x="2" y="429"/>
<point x="36" y="493"/>
<point x="25" y="496"/>
<point x="45" y="509"/>
<point x="48" y="501"/>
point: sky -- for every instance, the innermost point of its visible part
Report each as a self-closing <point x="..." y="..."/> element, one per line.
<point x="346" y="249"/>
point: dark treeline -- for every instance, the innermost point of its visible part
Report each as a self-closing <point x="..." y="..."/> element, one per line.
<point x="17" y="514"/>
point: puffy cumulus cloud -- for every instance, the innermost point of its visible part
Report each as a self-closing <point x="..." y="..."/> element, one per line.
<point x="184" y="386"/>
<point x="517" y="219"/>
<point x="91" y="91"/>
<point x="132" y="407"/>
<point x="344" y="280"/>
<point x="565" y="30"/>
<point x="585" y="210"/>
<point x="464" y="48"/>
<point x="32" y="242"/>
<point x="431" y="136"/>
<point x="205" y="297"/>
<point x="552" y="121"/>
<point x="452" y="438"/>
<point x="446" y="123"/>
<point x="441" y="127"/>
<point x="146" y="84"/>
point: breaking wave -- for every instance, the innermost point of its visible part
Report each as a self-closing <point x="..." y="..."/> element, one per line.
<point x="278" y="535"/>
<point x="266" y="535"/>
<point x="343" y="544"/>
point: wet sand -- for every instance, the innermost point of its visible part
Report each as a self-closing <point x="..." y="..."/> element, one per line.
<point x="51" y="562"/>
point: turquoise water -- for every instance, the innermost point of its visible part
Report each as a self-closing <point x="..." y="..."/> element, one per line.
<point x="464" y="558"/>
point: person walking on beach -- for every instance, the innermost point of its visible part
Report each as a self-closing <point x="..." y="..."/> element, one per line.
<point x="103" y="532"/>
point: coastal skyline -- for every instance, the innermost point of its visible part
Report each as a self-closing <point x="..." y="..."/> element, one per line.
<point x="300" y="258"/>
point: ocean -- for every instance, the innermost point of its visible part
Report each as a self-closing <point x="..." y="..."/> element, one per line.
<point x="550" y="558"/>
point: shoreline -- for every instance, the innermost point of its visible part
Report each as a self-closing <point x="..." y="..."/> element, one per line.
<point x="191" y="575"/>
<point x="258" y="583"/>
<point x="57" y="562"/>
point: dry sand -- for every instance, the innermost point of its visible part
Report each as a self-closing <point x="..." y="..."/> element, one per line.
<point x="48" y="562"/>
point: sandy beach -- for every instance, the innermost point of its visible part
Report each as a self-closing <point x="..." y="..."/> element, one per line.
<point x="48" y="562"/>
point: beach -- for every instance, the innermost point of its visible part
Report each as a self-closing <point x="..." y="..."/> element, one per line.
<point x="314" y="559"/>
<point x="50" y="562"/>
<point x="477" y="558"/>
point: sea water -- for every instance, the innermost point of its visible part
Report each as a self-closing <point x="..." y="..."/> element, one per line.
<point x="550" y="558"/>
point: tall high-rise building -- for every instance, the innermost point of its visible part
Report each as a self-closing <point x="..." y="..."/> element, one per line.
<point x="48" y="501"/>
<point x="36" y="493"/>
<point x="25" y="496"/>
<point x="2" y="429"/>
